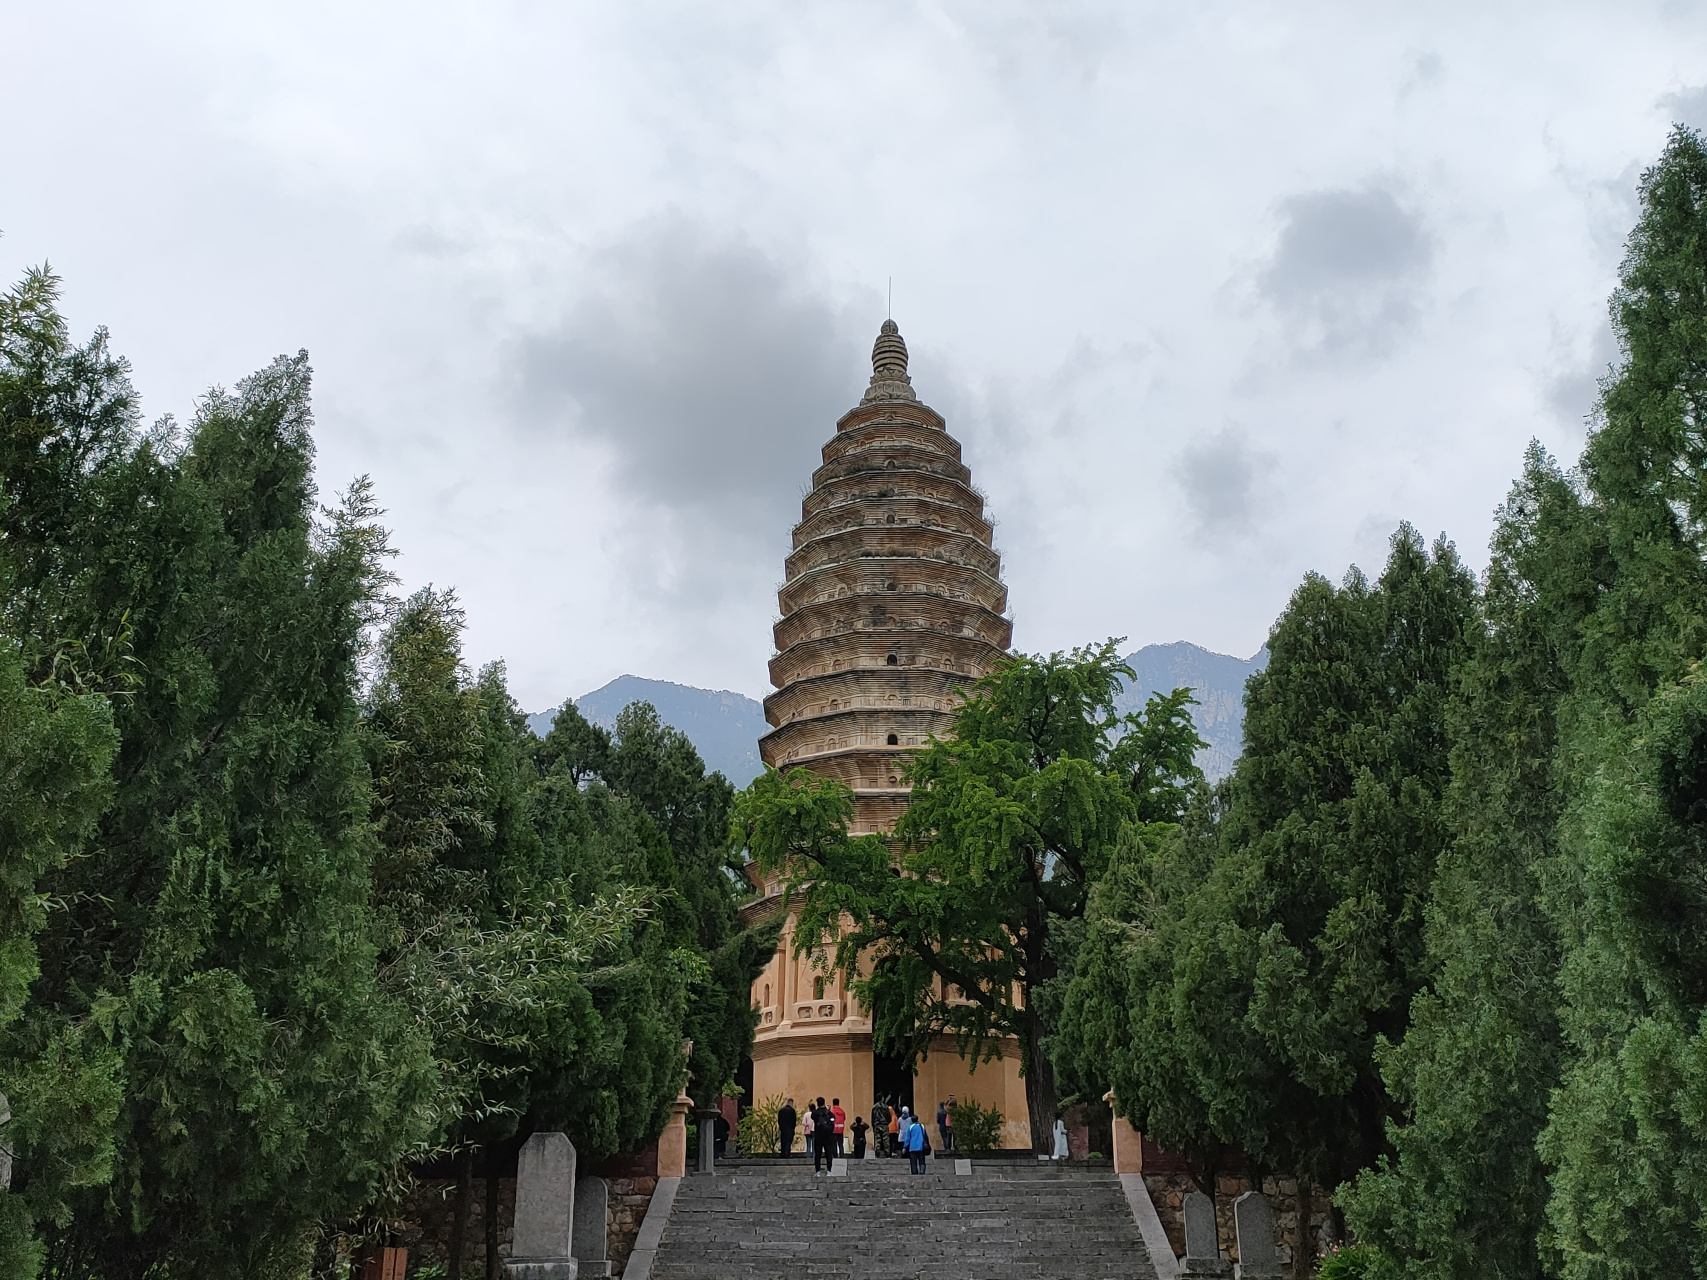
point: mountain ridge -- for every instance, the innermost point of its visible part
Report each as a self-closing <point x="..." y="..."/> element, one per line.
<point x="725" y="725"/>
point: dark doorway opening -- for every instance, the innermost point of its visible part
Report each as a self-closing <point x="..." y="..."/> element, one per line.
<point x="744" y="1082"/>
<point x="892" y="1080"/>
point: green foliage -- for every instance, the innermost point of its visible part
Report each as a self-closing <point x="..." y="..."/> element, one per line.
<point x="1357" y="1262"/>
<point x="1010" y="821"/>
<point x="977" y="1129"/>
<point x="295" y="939"/>
<point x="1624" y="1136"/>
<point x="1238" y="972"/>
<point x="1158" y="757"/>
<point x="758" y="1132"/>
<point x="1464" y="1189"/>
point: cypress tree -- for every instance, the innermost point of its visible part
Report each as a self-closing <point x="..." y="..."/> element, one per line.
<point x="1465" y="1189"/>
<point x="1625" y="1137"/>
<point x="219" y="932"/>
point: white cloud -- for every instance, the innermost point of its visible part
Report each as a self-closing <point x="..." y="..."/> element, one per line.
<point x="586" y="286"/>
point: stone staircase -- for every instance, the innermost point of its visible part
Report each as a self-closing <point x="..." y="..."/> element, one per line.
<point x="1006" y="1220"/>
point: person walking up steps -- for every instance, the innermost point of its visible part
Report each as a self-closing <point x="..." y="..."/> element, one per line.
<point x="880" y="1127"/>
<point x="918" y="1146"/>
<point x="824" y="1138"/>
<point x="785" y="1122"/>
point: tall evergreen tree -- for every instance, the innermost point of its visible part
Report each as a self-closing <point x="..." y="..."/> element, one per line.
<point x="218" y="933"/>
<point x="1625" y="1137"/>
<point x="1241" y="972"/>
<point x="1465" y="1189"/>
<point x="56" y="747"/>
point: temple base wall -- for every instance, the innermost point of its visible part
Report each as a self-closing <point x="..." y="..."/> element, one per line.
<point x="837" y="1064"/>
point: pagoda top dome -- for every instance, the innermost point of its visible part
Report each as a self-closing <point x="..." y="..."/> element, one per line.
<point x="889" y="380"/>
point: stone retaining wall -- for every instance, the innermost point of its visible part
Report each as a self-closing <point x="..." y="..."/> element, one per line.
<point x="1168" y="1190"/>
<point x="428" y="1213"/>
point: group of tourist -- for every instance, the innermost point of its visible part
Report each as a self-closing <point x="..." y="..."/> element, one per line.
<point x="897" y="1130"/>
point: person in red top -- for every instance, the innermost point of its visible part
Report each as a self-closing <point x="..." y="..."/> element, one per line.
<point x="841" y="1118"/>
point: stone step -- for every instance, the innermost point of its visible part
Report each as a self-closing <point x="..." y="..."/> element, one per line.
<point x="1006" y="1220"/>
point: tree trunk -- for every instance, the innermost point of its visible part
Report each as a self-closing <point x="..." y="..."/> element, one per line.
<point x="491" y="1216"/>
<point x="1039" y="1082"/>
<point x="1304" y="1257"/>
<point x="459" y="1213"/>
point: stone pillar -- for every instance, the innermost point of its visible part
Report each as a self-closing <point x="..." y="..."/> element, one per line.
<point x="1202" y="1240"/>
<point x="707" y="1120"/>
<point x="591" y="1242"/>
<point x="545" y="1210"/>
<point x="1128" y="1142"/>
<point x="673" y="1142"/>
<point x="1253" y="1219"/>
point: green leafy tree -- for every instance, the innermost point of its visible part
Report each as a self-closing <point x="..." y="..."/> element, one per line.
<point x="1119" y="1024"/>
<point x="56" y="747"/>
<point x="1624" y="1139"/>
<point x="544" y="1004"/>
<point x="1240" y="972"/>
<point x="1011" y="819"/>
<point x="1304" y="946"/>
<point x="1465" y="1189"/>
<point x="215" y="948"/>
<point x="55" y="750"/>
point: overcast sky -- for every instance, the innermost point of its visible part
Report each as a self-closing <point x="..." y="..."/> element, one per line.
<point x="1212" y="294"/>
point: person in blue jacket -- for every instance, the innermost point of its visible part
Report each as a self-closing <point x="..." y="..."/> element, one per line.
<point x="917" y="1145"/>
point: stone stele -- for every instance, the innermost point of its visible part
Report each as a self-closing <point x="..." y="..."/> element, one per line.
<point x="545" y="1210"/>
<point x="592" y="1208"/>
<point x="1254" y="1222"/>
<point x="1202" y="1243"/>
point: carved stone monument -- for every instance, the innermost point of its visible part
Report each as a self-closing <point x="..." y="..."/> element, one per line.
<point x="592" y="1210"/>
<point x="545" y="1210"/>
<point x="1253" y="1219"/>
<point x="1202" y="1240"/>
<point x="5" y="1144"/>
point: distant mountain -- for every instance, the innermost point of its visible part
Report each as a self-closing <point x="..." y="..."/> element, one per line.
<point x="724" y="726"/>
<point x="1215" y="679"/>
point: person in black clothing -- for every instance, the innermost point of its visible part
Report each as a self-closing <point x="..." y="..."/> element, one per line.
<point x="823" y="1137"/>
<point x="859" y="1128"/>
<point x="720" y="1136"/>
<point x="785" y="1122"/>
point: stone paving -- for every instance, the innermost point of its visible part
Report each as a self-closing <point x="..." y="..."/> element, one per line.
<point x="1006" y="1220"/>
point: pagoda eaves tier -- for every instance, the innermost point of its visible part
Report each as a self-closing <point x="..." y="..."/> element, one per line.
<point x="893" y="600"/>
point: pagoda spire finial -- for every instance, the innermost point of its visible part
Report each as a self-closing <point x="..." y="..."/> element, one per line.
<point x="889" y="380"/>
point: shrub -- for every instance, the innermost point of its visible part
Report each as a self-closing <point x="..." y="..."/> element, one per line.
<point x="758" y="1133"/>
<point x="975" y="1128"/>
<point x="1356" y="1262"/>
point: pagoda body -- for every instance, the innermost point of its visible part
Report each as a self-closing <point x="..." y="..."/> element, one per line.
<point x="893" y="603"/>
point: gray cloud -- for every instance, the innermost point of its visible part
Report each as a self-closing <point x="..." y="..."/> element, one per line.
<point x="1425" y="70"/>
<point x="1687" y="106"/>
<point x="711" y="375"/>
<point x="1348" y="271"/>
<point x="702" y="362"/>
<point x="1220" y="475"/>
